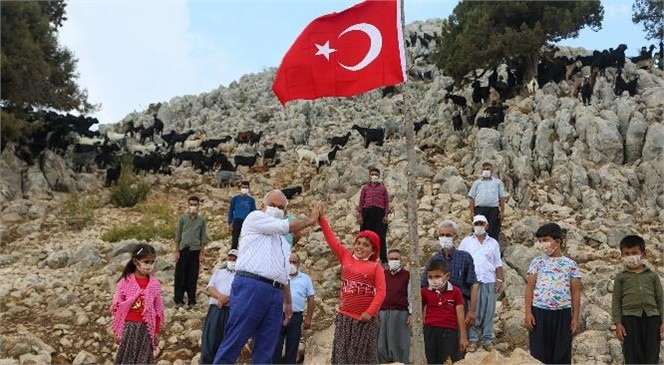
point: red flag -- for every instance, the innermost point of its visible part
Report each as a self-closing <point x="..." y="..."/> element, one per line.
<point x="344" y="54"/>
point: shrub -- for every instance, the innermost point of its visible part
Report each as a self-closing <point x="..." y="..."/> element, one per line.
<point x="130" y="189"/>
<point x="79" y="210"/>
<point x="158" y="221"/>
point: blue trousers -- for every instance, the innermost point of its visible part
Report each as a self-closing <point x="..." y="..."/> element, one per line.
<point x="291" y="335"/>
<point x="256" y="313"/>
<point x="486" y="308"/>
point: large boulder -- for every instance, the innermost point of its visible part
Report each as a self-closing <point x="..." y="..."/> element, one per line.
<point x="654" y="147"/>
<point x="35" y="185"/>
<point x="635" y="137"/>
<point x="10" y="174"/>
<point x="59" y="175"/>
<point x="318" y="348"/>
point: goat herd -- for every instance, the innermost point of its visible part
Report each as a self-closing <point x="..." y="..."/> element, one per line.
<point x="506" y="82"/>
<point x="153" y="151"/>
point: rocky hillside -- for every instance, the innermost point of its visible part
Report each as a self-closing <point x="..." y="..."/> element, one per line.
<point x="596" y="170"/>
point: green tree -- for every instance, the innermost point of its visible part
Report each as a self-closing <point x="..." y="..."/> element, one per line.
<point x="651" y="14"/>
<point x="37" y="72"/>
<point x="484" y="34"/>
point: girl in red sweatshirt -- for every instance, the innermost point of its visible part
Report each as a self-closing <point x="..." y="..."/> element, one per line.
<point x="137" y="308"/>
<point x="362" y="293"/>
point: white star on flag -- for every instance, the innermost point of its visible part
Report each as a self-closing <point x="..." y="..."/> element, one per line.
<point x="324" y="50"/>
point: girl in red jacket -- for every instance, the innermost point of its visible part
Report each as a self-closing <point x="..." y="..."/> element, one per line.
<point x="362" y="293"/>
<point x="138" y="310"/>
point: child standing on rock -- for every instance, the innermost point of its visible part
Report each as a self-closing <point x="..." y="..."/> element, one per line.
<point x="445" y="338"/>
<point x="137" y="308"/>
<point x="638" y="305"/>
<point x="362" y="293"/>
<point x="552" y="299"/>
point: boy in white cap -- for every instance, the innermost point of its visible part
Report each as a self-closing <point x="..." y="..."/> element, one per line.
<point x="219" y="290"/>
<point x="489" y="270"/>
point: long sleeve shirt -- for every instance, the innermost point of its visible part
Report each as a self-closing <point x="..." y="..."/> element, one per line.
<point x="191" y="233"/>
<point x="635" y="293"/>
<point x="127" y="292"/>
<point x="362" y="282"/>
<point x="241" y="206"/>
<point x="374" y="195"/>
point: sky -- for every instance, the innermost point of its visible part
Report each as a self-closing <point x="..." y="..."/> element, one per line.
<point x="135" y="52"/>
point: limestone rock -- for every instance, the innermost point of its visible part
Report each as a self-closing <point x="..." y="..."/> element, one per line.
<point x="319" y="347"/>
<point x="85" y="257"/>
<point x="653" y="147"/>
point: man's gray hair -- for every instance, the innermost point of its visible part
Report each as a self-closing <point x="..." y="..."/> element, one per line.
<point x="449" y="224"/>
<point x="275" y="191"/>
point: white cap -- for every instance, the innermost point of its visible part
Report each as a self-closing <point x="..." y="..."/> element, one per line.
<point x="233" y="252"/>
<point x="479" y="218"/>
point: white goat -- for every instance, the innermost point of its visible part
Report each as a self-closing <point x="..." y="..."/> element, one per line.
<point x="305" y="154"/>
<point x="89" y="141"/>
<point x="532" y="86"/>
<point x="192" y="144"/>
<point x="114" y="137"/>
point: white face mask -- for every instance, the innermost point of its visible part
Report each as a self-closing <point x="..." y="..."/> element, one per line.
<point x="230" y="265"/>
<point x="632" y="261"/>
<point x="486" y="174"/>
<point x="437" y="284"/>
<point x="274" y="212"/>
<point x="244" y="191"/>
<point x="479" y="230"/>
<point x="394" y="264"/>
<point x="547" y="248"/>
<point x="193" y="209"/>
<point x="446" y="243"/>
<point x="145" y="269"/>
<point x="375" y="178"/>
<point x="292" y="270"/>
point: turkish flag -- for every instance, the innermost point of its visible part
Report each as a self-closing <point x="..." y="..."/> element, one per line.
<point x="345" y="54"/>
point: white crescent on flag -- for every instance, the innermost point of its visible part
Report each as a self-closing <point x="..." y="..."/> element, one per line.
<point x="375" y="45"/>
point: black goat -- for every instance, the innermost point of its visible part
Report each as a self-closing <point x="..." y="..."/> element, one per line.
<point x="211" y="143"/>
<point x="457" y="100"/>
<point x="339" y="140"/>
<point x="147" y="132"/>
<point x="621" y="85"/>
<point x="220" y="161"/>
<point x="420" y="124"/>
<point x="84" y="160"/>
<point x="173" y="138"/>
<point x="457" y="122"/>
<point x="480" y="93"/>
<point x="158" y="125"/>
<point x="112" y="175"/>
<point x="248" y="161"/>
<point x="586" y="91"/>
<point x="376" y="135"/>
<point x="255" y="138"/>
<point x="292" y="191"/>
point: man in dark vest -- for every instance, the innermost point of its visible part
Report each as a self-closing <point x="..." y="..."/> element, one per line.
<point x="394" y="338"/>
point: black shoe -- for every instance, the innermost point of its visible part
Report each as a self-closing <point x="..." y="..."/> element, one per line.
<point x="179" y="305"/>
<point x="191" y="305"/>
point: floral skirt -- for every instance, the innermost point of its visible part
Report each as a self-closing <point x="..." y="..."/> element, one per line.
<point x="355" y="342"/>
<point x="136" y="346"/>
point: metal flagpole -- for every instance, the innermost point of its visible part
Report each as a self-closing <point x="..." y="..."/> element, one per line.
<point x="417" y="336"/>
